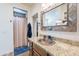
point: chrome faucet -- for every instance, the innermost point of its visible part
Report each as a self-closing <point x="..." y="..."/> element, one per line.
<point x="49" y="39"/>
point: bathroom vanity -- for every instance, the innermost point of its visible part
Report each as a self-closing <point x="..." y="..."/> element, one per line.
<point x="60" y="48"/>
<point x="36" y="50"/>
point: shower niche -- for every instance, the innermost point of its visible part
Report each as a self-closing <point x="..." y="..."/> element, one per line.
<point x="60" y="18"/>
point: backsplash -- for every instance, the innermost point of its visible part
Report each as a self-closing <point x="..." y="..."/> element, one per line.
<point x="75" y="43"/>
<point x="71" y="42"/>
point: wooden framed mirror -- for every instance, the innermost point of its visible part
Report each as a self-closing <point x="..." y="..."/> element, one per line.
<point x="60" y="18"/>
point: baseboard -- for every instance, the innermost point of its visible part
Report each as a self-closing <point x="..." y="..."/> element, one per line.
<point x="9" y="54"/>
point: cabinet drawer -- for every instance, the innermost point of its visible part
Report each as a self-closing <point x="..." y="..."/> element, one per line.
<point x="35" y="53"/>
<point x="39" y="50"/>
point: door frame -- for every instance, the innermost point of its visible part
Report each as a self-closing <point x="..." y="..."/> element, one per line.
<point x="33" y="17"/>
<point x="26" y="19"/>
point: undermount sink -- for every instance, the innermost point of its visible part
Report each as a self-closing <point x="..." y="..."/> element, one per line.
<point x="46" y="42"/>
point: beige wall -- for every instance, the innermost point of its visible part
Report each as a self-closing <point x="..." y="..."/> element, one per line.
<point x="35" y="9"/>
<point x="6" y="34"/>
<point x="65" y="35"/>
<point x="6" y="27"/>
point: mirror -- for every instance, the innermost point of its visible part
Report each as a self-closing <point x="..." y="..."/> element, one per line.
<point x="60" y="18"/>
<point x="57" y="16"/>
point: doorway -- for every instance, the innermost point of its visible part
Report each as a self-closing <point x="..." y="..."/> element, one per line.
<point x="35" y="25"/>
<point x="20" y="30"/>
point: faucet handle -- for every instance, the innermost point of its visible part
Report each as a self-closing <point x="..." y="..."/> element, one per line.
<point x="49" y="37"/>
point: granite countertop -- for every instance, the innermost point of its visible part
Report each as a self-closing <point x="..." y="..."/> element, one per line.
<point x="59" y="48"/>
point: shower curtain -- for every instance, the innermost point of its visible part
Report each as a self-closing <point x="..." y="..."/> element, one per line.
<point x="20" y="31"/>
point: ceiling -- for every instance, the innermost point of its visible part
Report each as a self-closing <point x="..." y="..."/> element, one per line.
<point x="30" y="4"/>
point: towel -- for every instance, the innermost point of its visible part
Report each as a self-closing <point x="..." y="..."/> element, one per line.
<point x="29" y="30"/>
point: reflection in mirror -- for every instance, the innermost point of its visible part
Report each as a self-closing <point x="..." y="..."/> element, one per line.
<point x="60" y="18"/>
<point x="57" y="16"/>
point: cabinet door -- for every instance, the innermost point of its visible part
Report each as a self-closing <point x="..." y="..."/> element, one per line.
<point x="39" y="50"/>
<point x="35" y="53"/>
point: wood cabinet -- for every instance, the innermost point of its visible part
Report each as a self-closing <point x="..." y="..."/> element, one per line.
<point x="37" y="50"/>
<point x="35" y="53"/>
